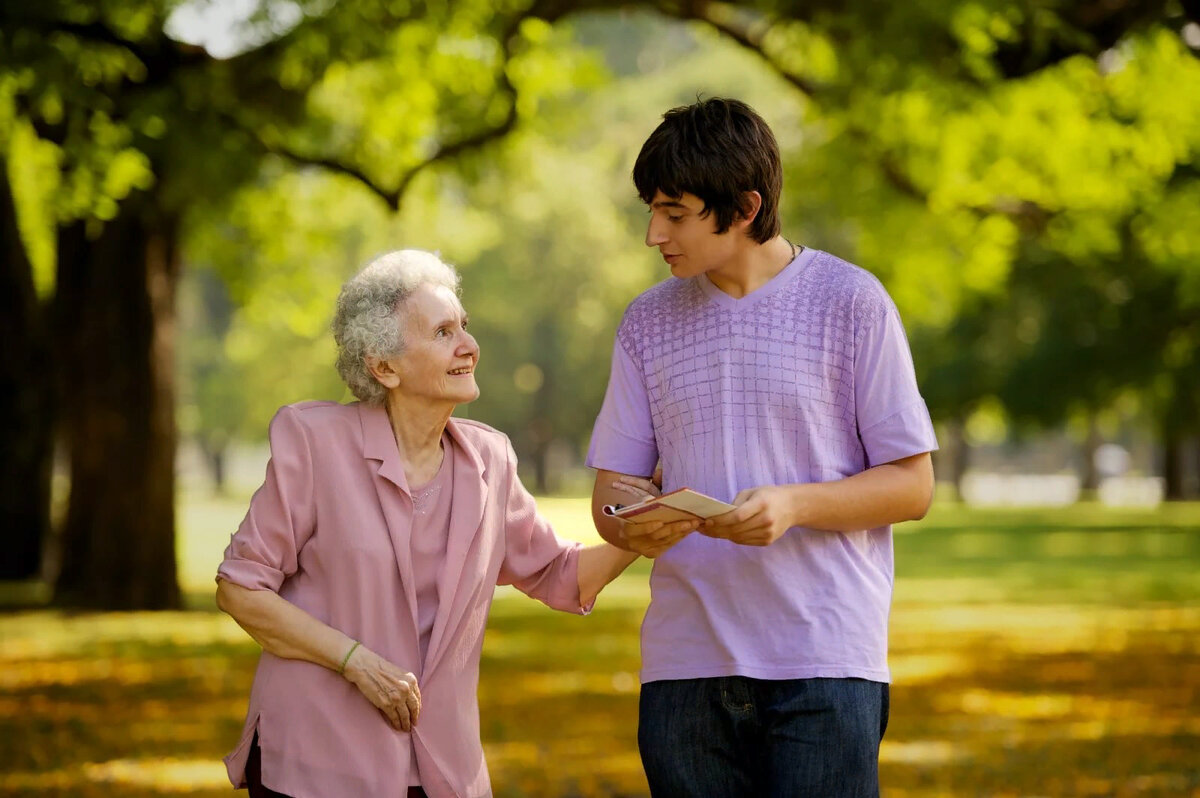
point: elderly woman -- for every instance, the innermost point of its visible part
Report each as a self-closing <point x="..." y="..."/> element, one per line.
<point x="366" y="563"/>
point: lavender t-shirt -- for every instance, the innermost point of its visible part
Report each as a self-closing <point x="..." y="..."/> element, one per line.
<point x="807" y="379"/>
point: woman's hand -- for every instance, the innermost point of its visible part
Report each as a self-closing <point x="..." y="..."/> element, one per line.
<point x="391" y="690"/>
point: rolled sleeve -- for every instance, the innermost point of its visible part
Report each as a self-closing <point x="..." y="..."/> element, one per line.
<point x="893" y="421"/>
<point x="536" y="561"/>
<point x="265" y="549"/>
<point x="623" y="436"/>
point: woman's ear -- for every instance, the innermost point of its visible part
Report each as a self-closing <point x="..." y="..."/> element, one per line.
<point x="750" y="205"/>
<point x="383" y="371"/>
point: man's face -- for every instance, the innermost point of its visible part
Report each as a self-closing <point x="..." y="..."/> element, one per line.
<point x="686" y="237"/>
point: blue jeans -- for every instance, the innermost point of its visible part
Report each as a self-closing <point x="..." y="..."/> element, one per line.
<point x="735" y="736"/>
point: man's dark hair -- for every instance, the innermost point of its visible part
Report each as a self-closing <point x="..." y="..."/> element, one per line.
<point x="718" y="150"/>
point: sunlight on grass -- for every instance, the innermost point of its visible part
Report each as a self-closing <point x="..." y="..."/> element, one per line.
<point x="1050" y="653"/>
<point x="161" y="775"/>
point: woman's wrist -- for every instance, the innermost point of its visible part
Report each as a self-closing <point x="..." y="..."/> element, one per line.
<point x="355" y="645"/>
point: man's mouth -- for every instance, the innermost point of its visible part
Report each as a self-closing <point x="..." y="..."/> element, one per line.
<point x="461" y="371"/>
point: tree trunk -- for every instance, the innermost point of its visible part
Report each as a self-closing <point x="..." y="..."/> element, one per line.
<point x="26" y="403"/>
<point x="953" y="456"/>
<point x="114" y="338"/>
<point x="1089" y="481"/>
<point x="214" y="456"/>
<point x="1172" y="468"/>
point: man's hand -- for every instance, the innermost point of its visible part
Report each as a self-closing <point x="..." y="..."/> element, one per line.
<point x="652" y="538"/>
<point x="762" y="516"/>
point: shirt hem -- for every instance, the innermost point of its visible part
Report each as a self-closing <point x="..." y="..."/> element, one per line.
<point x="769" y="673"/>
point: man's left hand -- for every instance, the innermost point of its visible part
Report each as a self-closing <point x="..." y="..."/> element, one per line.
<point x="762" y="516"/>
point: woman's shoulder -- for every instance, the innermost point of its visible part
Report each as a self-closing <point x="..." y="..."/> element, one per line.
<point x="482" y="437"/>
<point x="319" y="417"/>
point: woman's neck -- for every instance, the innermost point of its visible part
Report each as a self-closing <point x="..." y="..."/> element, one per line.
<point x="418" y="428"/>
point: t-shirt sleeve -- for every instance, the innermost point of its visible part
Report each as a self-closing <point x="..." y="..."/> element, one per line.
<point x="623" y="436"/>
<point x="893" y="421"/>
<point x="266" y="547"/>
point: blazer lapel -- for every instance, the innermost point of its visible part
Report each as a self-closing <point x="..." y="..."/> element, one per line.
<point x="466" y="512"/>
<point x="379" y="443"/>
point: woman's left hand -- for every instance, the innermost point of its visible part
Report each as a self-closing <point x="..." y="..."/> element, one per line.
<point x="393" y="691"/>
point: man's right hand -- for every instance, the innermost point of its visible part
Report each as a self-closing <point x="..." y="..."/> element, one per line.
<point x="649" y="539"/>
<point x="653" y="537"/>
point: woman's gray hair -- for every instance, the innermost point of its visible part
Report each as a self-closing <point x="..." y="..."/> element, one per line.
<point x="368" y="318"/>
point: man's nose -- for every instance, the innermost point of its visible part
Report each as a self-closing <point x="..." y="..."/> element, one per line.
<point x="654" y="233"/>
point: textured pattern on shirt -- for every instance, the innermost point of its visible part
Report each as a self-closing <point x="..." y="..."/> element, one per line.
<point x="775" y="379"/>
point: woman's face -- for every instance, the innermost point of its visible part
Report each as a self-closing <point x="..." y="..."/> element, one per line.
<point x="439" y="357"/>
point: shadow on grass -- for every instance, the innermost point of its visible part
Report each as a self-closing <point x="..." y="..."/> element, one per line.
<point x="1021" y="666"/>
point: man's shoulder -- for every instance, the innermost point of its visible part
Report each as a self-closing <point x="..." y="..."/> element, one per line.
<point x="661" y="296"/>
<point x="841" y="282"/>
<point x="659" y="304"/>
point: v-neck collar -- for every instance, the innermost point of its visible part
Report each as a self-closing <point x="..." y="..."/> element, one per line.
<point x="767" y="289"/>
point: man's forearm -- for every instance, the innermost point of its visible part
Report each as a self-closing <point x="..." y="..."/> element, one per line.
<point x="886" y="494"/>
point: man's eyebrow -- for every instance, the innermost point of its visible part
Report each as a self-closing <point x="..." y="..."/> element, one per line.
<point x="668" y="204"/>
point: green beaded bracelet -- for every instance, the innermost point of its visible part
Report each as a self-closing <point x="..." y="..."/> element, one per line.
<point x="346" y="659"/>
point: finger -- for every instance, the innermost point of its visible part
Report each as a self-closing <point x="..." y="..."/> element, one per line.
<point x="746" y="528"/>
<point x="732" y="517"/>
<point x="739" y="515"/>
<point x="393" y="716"/>
<point x="641" y="531"/>
<point x="638" y="482"/>
<point x="412" y="683"/>
<point x="414" y="708"/>
<point x="632" y="490"/>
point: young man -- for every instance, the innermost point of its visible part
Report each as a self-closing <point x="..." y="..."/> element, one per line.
<point x="778" y="378"/>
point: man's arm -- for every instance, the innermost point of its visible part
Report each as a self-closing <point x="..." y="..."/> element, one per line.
<point x="886" y="494"/>
<point x="650" y="539"/>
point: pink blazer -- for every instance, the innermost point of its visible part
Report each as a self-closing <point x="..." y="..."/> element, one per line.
<point x="329" y="531"/>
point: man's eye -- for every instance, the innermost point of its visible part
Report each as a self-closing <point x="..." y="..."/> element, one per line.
<point x="674" y="218"/>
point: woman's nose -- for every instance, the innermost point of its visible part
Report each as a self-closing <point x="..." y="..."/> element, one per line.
<point x="469" y="345"/>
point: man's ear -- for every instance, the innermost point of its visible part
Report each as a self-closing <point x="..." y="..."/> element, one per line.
<point x="383" y="371"/>
<point x="750" y="205"/>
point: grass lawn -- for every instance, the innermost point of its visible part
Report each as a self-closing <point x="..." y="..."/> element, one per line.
<point x="1034" y="653"/>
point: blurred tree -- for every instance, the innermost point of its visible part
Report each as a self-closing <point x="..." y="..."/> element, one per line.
<point x="141" y="128"/>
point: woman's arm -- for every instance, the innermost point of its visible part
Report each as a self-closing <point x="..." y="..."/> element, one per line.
<point x="287" y="631"/>
<point x="599" y="565"/>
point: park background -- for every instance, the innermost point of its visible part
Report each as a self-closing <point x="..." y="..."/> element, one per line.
<point x="184" y="187"/>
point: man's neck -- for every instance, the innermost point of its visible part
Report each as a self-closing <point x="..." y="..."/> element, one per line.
<point x="753" y="267"/>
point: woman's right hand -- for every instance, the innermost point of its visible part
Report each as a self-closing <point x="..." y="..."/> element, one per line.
<point x="391" y="690"/>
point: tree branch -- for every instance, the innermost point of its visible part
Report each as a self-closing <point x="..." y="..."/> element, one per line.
<point x="444" y="152"/>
